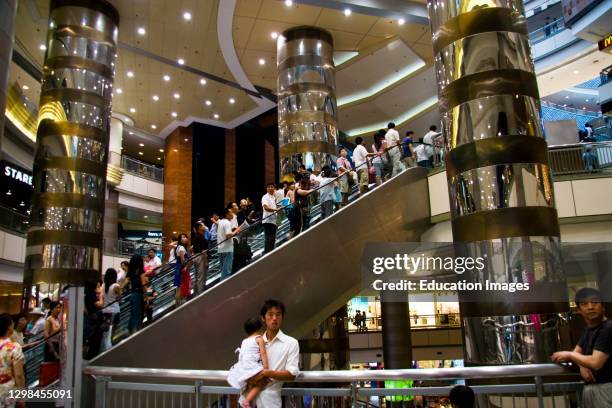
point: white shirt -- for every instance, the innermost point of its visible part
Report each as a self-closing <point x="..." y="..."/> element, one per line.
<point x="360" y="155"/>
<point x="420" y="153"/>
<point x="39" y="326"/>
<point x="121" y="276"/>
<point x="392" y="138"/>
<point x="428" y="140"/>
<point x="224" y="227"/>
<point x="269" y="217"/>
<point x="233" y="222"/>
<point x="283" y="354"/>
<point x="154" y="262"/>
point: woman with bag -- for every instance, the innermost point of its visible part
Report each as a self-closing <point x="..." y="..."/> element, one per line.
<point x="379" y="157"/>
<point x="302" y="203"/>
<point x="182" y="279"/>
<point x="344" y="170"/>
<point x="136" y="280"/>
<point x="112" y="294"/>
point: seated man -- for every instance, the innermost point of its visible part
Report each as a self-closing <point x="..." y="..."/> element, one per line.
<point x="592" y="354"/>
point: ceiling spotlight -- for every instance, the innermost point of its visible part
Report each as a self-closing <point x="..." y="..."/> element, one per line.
<point x="130" y="132"/>
<point x="142" y="31"/>
<point x="181" y="61"/>
<point x="154" y="127"/>
<point x="159" y="158"/>
<point x="42" y="47"/>
<point x="186" y="139"/>
<point x="174" y="114"/>
<point x="584" y="108"/>
<point x="586" y="100"/>
<point x="187" y="16"/>
<point x="155" y="98"/>
<point x="208" y="103"/>
<point x="274" y="35"/>
<point x="566" y="96"/>
<point x="25" y="87"/>
<point x="216" y="116"/>
<point x="133" y="110"/>
<point x="166" y="78"/>
<point x="130" y="74"/>
<point x="288" y="3"/>
<point x="176" y="95"/>
<point x="232" y="100"/>
<point x="161" y="150"/>
<point x="202" y="81"/>
<point x="401" y="21"/>
<point x="576" y="72"/>
<point x="140" y="153"/>
<point x="141" y="144"/>
<point x="262" y="61"/>
<point x="347" y="12"/>
<point x="119" y="91"/>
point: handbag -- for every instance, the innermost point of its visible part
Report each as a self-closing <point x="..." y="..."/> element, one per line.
<point x="49" y="372"/>
<point x="185" y="288"/>
<point x="242" y="248"/>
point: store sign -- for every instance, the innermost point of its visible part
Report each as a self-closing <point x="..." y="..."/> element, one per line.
<point x="154" y="234"/>
<point x="606" y="43"/>
<point x="17" y="174"/>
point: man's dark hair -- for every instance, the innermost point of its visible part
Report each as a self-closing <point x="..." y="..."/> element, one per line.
<point x="409" y="133"/>
<point x="126" y="263"/>
<point x="270" y="184"/>
<point x="46" y="300"/>
<point x="341" y="149"/>
<point x="227" y="209"/>
<point x="462" y="396"/>
<point x="5" y="322"/>
<point x="252" y="325"/>
<point x="302" y="167"/>
<point x="433" y="128"/>
<point x="391" y="125"/>
<point x="358" y="140"/>
<point x="269" y="304"/>
<point x="230" y="204"/>
<point x="586" y="294"/>
<point x="151" y="249"/>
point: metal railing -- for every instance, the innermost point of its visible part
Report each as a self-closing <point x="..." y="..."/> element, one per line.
<point x="116" y="387"/>
<point x="131" y="247"/>
<point x="580" y="158"/>
<point x="142" y="169"/>
<point x="13" y="220"/>
<point x="547" y="31"/>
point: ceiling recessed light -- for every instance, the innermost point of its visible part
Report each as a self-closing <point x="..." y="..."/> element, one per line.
<point x="141" y="144"/>
<point x="208" y="103"/>
<point x="161" y="150"/>
<point x="232" y="100"/>
<point x="175" y="150"/>
<point x="130" y="74"/>
<point x="565" y="105"/>
<point x="347" y="12"/>
<point x="130" y="132"/>
<point x="202" y="81"/>
<point x="401" y="21"/>
<point x="584" y="108"/>
<point x="288" y="3"/>
<point x="25" y="87"/>
<point x="262" y="61"/>
<point x="119" y="91"/>
<point x="586" y="100"/>
<point x="140" y="153"/>
<point x="153" y="126"/>
<point x="174" y="114"/>
<point x="142" y="31"/>
<point x="159" y="158"/>
<point x="181" y="61"/>
<point x="274" y="35"/>
<point x="576" y="72"/>
<point x="187" y="16"/>
<point x="186" y="139"/>
<point x="133" y="110"/>
<point x="216" y="116"/>
<point x="176" y="95"/>
<point x="42" y="47"/>
<point x="566" y="96"/>
<point x="166" y="78"/>
<point x="155" y="98"/>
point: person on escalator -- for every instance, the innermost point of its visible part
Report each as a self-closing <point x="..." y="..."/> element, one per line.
<point x="252" y="360"/>
<point x="225" y="248"/>
<point x="302" y="203"/>
<point x="181" y="270"/>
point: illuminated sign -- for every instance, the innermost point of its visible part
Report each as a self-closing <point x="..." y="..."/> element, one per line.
<point x="605" y="43"/>
<point x="17" y="174"/>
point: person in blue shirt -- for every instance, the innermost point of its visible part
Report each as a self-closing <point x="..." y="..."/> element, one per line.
<point x="408" y="149"/>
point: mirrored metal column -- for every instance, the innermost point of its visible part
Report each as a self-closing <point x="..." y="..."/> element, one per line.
<point x="65" y="239"/>
<point x="501" y="191"/>
<point x="306" y="99"/>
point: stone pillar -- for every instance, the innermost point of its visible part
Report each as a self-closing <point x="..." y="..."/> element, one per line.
<point x="396" y="335"/>
<point x="8" y="11"/>
<point x="230" y="167"/>
<point x="306" y="99"/>
<point x="500" y="185"/>
<point x="64" y="243"/>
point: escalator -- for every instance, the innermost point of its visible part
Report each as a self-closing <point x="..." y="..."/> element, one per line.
<point x="314" y="274"/>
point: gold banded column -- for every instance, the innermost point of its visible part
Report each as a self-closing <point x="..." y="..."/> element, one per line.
<point x="500" y="185"/>
<point x="64" y="243"/>
<point x="306" y="99"/>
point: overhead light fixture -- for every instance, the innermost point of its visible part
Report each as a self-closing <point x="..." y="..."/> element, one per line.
<point x="586" y="100"/>
<point x="208" y="103"/>
<point x="566" y="96"/>
<point x="130" y="74"/>
<point x="25" y="87"/>
<point x="141" y="144"/>
<point x="166" y="78"/>
<point x="186" y="139"/>
<point x="262" y="61"/>
<point x="174" y="114"/>
<point x="401" y="21"/>
<point x="216" y="116"/>
<point x="576" y="72"/>
<point x="181" y="61"/>
<point x="232" y="100"/>
<point x="159" y="158"/>
<point x="42" y="47"/>
<point x="153" y="127"/>
<point x="140" y="153"/>
<point x="133" y="110"/>
<point x="119" y="91"/>
<point x="187" y="16"/>
<point x="130" y="132"/>
<point x="146" y="216"/>
<point x="288" y="3"/>
<point x="161" y="150"/>
<point x="176" y="95"/>
<point x="274" y="35"/>
<point x="155" y="98"/>
<point x="202" y="81"/>
<point x="9" y="193"/>
<point x="142" y="31"/>
<point x="347" y="12"/>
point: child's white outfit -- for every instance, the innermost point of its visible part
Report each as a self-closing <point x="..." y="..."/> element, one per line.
<point x="249" y="363"/>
